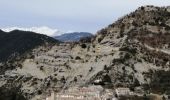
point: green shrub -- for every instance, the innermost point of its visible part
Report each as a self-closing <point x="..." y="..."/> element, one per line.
<point x="78" y="58"/>
<point x="83" y="46"/>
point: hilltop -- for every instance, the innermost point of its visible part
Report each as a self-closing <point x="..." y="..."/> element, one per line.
<point x="17" y="42"/>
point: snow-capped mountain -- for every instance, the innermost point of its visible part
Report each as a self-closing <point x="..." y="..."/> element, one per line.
<point x="42" y="30"/>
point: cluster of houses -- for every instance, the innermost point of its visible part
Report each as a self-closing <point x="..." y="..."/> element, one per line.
<point x="89" y="93"/>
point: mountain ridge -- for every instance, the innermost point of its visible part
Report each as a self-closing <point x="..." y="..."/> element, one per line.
<point x="41" y="30"/>
<point x="20" y="41"/>
<point x="73" y="37"/>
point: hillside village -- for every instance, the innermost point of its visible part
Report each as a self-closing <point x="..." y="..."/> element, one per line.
<point x="128" y="60"/>
<point x="91" y="93"/>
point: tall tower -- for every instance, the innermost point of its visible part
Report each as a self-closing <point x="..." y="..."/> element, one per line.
<point x="53" y="96"/>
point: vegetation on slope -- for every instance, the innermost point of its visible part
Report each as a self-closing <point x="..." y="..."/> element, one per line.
<point x="18" y="42"/>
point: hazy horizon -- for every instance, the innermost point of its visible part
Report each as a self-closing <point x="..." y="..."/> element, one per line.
<point x="68" y="15"/>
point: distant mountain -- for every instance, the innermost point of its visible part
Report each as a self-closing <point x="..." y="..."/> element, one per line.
<point x="75" y="36"/>
<point x="17" y="42"/>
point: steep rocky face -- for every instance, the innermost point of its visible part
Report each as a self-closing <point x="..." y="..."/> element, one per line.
<point x="142" y="38"/>
<point x="130" y="52"/>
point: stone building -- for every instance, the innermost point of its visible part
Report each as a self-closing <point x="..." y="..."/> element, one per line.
<point x="76" y="93"/>
<point x="122" y="91"/>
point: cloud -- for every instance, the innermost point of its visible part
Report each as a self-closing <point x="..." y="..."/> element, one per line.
<point x="42" y="30"/>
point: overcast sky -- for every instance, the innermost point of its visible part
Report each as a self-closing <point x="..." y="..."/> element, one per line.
<point x="65" y="15"/>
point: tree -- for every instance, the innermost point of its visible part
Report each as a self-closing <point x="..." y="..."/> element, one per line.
<point x="83" y="46"/>
<point x="78" y="58"/>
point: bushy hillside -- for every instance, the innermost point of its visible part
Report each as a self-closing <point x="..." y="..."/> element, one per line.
<point x="17" y="42"/>
<point x="142" y="39"/>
